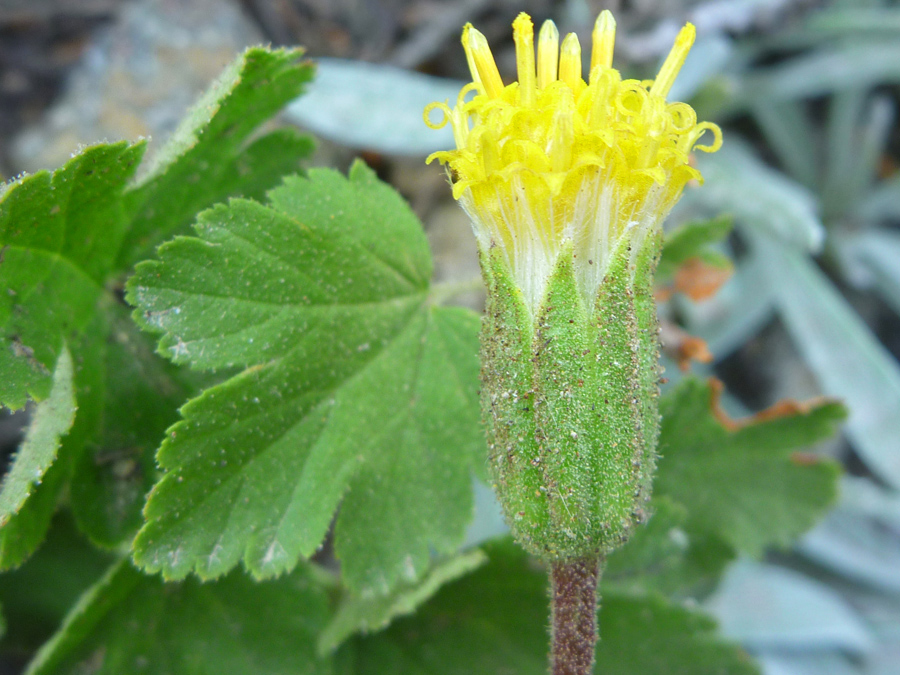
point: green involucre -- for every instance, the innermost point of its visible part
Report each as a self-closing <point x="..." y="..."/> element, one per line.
<point x="570" y="402"/>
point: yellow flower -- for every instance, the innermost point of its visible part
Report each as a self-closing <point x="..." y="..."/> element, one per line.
<point x="551" y="159"/>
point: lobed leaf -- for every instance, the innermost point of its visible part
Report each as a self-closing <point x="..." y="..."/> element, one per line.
<point x="745" y="484"/>
<point x="129" y="397"/>
<point x="209" y="157"/>
<point x="59" y="234"/>
<point x="65" y="238"/>
<point x="357" y="391"/>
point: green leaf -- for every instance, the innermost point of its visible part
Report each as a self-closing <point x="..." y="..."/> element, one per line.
<point x="745" y="485"/>
<point x="357" y="391"/>
<point x="131" y="396"/>
<point x="59" y="234"/>
<point x="129" y="622"/>
<point x="209" y="158"/>
<point x="369" y="615"/>
<point x="663" y="556"/>
<point x="24" y="531"/>
<point x="651" y="635"/>
<point x="52" y="418"/>
<point x="691" y="241"/>
<point x="37" y="596"/>
<point x="494" y="621"/>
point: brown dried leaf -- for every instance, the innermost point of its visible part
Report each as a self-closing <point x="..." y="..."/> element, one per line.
<point x="783" y="408"/>
<point x="699" y="280"/>
<point x="682" y="347"/>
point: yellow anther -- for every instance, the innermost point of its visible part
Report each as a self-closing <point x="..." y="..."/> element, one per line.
<point x="473" y="69"/>
<point x="481" y="62"/>
<point x="674" y="61"/>
<point x="523" y="36"/>
<point x="604" y="41"/>
<point x="548" y="54"/>
<point x="570" y="61"/>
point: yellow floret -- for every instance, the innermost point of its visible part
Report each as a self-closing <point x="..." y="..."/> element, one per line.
<point x="552" y="157"/>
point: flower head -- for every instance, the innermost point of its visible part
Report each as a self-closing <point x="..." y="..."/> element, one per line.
<point x="553" y="160"/>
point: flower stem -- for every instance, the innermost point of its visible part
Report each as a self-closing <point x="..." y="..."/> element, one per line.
<point x="573" y="588"/>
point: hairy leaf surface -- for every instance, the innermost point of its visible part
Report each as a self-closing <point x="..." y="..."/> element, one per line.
<point x="357" y="391"/>
<point x="59" y="234"/>
<point x="209" y="157"/>
<point x="746" y="484"/>
<point x="66" y="239"/>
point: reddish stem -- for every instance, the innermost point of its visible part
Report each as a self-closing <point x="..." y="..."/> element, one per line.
<point x="574" y="616"/>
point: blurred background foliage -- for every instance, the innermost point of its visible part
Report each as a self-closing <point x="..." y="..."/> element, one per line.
<point x="807" y="94"/>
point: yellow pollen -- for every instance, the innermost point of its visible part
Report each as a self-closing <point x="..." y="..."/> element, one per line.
<point x="523" y="36"/>
<point x="604" y="40"/>
<point x="548" y="54"/>
<point x="552" y="157"/>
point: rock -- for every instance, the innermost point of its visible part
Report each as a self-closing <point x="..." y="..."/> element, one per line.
<point x="138" y="78"/>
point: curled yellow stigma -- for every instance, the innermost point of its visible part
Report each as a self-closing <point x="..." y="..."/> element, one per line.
<point x="554" y="157"/>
